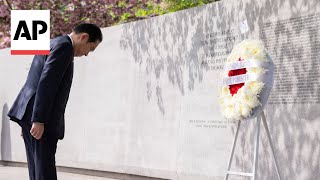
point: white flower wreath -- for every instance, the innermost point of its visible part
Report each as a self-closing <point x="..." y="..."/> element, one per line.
<point x="247" y="81"/>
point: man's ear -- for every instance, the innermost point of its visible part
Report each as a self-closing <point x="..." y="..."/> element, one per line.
<point x="84" y="36"/>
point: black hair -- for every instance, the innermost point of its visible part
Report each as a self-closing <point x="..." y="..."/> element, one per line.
<point x="91" y="29"/>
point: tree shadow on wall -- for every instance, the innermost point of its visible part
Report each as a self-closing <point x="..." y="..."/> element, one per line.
<point x="168" y="47"/>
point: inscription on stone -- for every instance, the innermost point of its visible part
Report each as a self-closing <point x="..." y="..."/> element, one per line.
<point x="295" y="47"/>
<point x="216" y="124"/>
<point x="216" y="47"/>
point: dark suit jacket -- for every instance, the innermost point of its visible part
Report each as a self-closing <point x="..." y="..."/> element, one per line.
<point x="44" y="96"/>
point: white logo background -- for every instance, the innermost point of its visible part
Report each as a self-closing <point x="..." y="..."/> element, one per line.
<point x="43" y="40"/>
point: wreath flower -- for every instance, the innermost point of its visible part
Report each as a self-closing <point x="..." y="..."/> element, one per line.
<point x="248" y="72"/>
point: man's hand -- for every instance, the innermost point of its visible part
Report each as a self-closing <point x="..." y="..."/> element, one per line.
<point x="37" y="130"/>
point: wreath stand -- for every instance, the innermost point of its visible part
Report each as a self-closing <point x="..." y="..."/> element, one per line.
<point x="253" y="174"/>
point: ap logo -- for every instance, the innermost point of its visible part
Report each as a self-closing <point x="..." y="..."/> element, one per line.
<point x="30" y="32"/>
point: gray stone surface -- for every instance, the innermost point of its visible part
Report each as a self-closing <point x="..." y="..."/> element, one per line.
<point x="146" y="102"/>
<point x="21" y="173"/>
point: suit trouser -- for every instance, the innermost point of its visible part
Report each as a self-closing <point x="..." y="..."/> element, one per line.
<point x="40" y="154"/>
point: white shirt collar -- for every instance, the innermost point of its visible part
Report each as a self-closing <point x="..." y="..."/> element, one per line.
<point x="71" y="39"/>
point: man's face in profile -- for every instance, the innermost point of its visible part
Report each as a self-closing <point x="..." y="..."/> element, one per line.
<point x="84" y="47"/>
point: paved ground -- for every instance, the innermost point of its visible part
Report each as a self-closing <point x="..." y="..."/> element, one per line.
<point x="20" y="173"/>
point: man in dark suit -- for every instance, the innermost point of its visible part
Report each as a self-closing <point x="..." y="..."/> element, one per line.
<point x="40" y="105"/>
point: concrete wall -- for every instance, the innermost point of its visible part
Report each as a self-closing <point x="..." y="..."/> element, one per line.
<point x="146" y="101"/>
